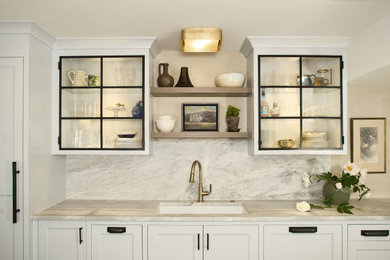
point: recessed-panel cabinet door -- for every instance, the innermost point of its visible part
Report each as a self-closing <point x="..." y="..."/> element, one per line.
<point x="175" y="242"/>
<point x="62" y="240"/>
<point x="368" y="242"/>
<point x="119" y="242"/>
<point x="231" y="242"/>
<point x="11" y="193"/>
<point x="319" y="242"/>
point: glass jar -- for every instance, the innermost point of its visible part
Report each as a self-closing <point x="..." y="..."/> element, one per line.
<point x="275" y="111"/>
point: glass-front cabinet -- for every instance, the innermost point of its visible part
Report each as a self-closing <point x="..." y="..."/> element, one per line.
<point x="101" y="103"/>
<point x="300" y="102"/>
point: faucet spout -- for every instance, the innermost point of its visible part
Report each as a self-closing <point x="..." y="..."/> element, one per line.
<point x="201" y="192"/>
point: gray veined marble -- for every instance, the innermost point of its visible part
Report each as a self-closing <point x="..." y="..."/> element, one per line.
<point x="164" y="174"/>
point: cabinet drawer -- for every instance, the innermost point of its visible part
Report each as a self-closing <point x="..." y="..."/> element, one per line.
<point x="368" y="232"/>
<point x="116" y="241"/>
<point x="320" y="242"/>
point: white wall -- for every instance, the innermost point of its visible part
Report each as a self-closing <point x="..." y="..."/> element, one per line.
<point x="46" y="172"/>
<point x="369" y="50"/>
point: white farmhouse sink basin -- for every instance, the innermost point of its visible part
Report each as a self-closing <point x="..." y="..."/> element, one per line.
<point x="220" y="207"/>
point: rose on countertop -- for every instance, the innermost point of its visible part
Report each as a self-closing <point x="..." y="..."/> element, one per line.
<point x="303" y="206"/>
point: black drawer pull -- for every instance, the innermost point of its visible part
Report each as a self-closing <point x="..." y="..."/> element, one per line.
<point x="116" y="230"/>
<point x="375" y="233"/>
<point x="302" y="229"/>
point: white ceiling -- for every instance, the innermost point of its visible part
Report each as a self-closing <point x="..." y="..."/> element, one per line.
<point x="165" y="18"/>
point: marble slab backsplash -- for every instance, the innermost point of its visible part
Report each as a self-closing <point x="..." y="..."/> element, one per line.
<point x="164" y="175"/>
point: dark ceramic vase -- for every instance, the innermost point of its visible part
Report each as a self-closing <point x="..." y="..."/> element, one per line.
<point x="232" y="123"/>
<point x="337" y="196"/>
<point x="184" y="79"/>
<point x="164" y="79"/>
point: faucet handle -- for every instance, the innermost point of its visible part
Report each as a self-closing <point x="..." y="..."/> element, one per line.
<point x="206" y="193"/>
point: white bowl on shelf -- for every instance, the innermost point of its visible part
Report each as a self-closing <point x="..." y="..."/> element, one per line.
<point x="165" y="125"/>
<point x="167" y="117"/>
<point x="230" y="80"/>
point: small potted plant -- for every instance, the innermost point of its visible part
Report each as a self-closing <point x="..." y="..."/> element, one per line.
<point x="232" y="118"/>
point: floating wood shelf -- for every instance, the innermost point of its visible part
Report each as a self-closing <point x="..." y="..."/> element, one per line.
<point x="201" y="135"/>
<point x="201" y="92"/>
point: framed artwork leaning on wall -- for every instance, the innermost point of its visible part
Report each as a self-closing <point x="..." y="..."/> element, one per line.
<point x="368" y="143"/>
<point x="200" y="117"/>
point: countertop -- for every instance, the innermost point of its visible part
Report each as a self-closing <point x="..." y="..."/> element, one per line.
<point x="264" y="210"/>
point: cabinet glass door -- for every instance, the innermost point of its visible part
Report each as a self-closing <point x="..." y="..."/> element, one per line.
<point x="102" y="103"/>
<point x="300" y="102"/>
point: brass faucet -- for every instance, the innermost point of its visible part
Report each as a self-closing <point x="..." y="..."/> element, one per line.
<point x="201" y="192"/>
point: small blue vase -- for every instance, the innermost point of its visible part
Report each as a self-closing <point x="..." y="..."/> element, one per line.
<point x="137" y="110"/>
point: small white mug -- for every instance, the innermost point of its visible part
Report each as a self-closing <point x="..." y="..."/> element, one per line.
<point x="78" y="77"/>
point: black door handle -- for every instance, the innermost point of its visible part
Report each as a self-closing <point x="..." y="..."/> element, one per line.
<point x="208" y="242"/>
<point x="302" y="229"/>
<point x="375" y="233"/>
<point x="198" y="241"/>
<point x="116" y="230"/>
<point x="15" y="209"/>
<point x="80" y="238"/>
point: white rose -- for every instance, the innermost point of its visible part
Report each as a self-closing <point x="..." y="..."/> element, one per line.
<point x="339" y="185"/>
<point x="351" y="168"/>
<point x="303" y="206"/>
<point x="306" y="180"/>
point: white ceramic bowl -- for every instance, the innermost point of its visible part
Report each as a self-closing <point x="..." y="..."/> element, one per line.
<point x="165" y="118"/>
<point x="230" y="80"/>
<point x="165" y="125"/>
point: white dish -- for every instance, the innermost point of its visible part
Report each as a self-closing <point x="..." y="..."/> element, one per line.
<point x="165" y="117"/>
<point x="230" y="80"/>
<point x="165" y="126"/>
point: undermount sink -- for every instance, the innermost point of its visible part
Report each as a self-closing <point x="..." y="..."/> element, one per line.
<point x="224" y="207"/>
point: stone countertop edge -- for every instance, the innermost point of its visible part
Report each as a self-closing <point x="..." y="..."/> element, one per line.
<point x="259" y="210"/>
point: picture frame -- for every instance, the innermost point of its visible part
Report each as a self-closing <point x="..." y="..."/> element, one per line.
<point x="200" y="117"/>
<point x="368" y="143"/>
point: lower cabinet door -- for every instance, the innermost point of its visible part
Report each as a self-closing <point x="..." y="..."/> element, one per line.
<point x="303" y="242"/>
<point x="231" y="242"/>
<point x="368" y="242"/>
<point x="62" y="240"/>
<point x="175" y="242"/>
<point x="116" y="242"/>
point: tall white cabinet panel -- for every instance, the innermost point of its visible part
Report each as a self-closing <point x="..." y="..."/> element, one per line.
<point x="175" y="242"/>
<point x="320" y="242"/>
<point x="119" y="242"/>
<point x="11" y="100"/>
<point x="62" y="240"/>
<point x="368" y="242"/>
<point x="231" y="242"/>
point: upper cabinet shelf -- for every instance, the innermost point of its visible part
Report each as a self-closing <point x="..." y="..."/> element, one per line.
<point x="201" y="92"/>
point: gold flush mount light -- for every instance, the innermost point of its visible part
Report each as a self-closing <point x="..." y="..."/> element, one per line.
<point x="201" y="39"/>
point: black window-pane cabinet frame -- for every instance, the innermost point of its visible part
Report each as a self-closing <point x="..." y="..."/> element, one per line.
<point x="101" y="87"/>
<point x="300" y="87"/>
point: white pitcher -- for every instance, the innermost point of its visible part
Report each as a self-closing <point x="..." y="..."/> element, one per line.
<point x="78" y="77"/>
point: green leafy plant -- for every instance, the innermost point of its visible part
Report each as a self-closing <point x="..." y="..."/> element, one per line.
<point x="351" y="177"/>
<point x="232" y="111"/>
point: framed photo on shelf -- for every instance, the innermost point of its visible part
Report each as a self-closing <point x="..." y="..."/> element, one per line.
<point x="200" y="117"/>
<point x="368" y="143"/>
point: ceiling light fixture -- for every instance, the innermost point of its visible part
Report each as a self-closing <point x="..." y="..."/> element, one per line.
<point x="201" y="39"/>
